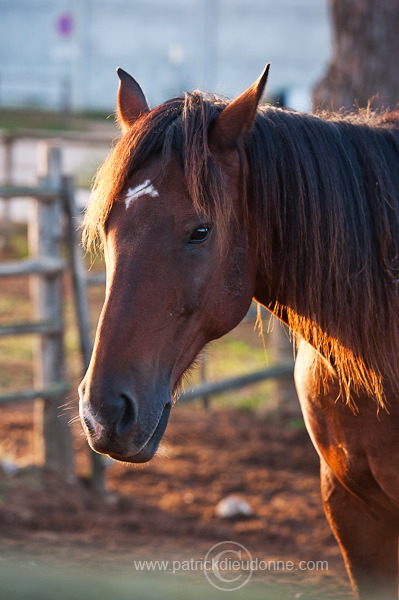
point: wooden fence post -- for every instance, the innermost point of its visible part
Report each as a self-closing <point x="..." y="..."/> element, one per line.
<point x="52" y="433"/>
<point x="81" y="307"/>
<point x="8" y="172"/>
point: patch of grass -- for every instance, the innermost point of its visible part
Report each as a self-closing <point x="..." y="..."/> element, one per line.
<point x="254" y="398"/>
<point x="233" y="355"/>
<point x="14" y="301"/>
<point x="297" y="423"/>
<point x="17" y="248"/>
<point x="16" y="362"/>
<point x="30" y="577"/>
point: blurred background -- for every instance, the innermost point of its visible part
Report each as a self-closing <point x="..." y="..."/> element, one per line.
<point x="63" y="54"/>
<point x="236" y="464"/>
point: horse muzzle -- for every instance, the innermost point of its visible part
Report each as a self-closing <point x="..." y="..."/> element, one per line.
<point x="117" y="425"/>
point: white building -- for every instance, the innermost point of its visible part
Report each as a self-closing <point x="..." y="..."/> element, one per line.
<point x="66" y="51"/>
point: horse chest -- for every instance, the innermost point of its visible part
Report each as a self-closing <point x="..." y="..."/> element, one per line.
<point x="357" y="447"/>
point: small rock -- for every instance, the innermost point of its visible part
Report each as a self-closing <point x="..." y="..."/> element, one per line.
<point x="233" y="506"/>
<point x="9" y="468"/>
<point x="111" y="499"/>
<point x="188" y="497"/>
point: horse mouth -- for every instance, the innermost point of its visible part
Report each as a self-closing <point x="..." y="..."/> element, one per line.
<point x="151" y="446"/>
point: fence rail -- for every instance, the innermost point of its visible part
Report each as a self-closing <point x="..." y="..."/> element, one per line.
<point x="51" y="392"/>
<point x="44" y="194"/>
<point x="40" y="327"/>
<point x="45" y="266"/>
<point x="225" y="385"/>
<point x="95" y="279"/>
<point x="79" y="137"/>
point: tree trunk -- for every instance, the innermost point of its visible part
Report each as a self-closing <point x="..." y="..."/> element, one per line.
<point x="364" y="68"/>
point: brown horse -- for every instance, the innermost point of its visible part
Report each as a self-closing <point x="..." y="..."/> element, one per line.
<point x="204" y="204"/>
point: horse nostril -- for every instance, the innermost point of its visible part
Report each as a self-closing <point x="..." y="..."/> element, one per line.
<point x="129" y="415"/>
<point x="89" y="426"/>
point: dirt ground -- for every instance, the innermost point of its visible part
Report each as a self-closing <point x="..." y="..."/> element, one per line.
<point x="166" y="509"/>
<point x="58" y="533"/>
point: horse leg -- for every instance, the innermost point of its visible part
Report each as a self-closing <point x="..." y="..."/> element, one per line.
<point x="369" y="546"/>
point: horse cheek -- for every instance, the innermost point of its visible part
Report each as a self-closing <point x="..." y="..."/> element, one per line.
<point x="235" y="294"/>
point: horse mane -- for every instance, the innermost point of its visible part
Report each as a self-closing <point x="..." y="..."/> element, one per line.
<point x="323" y="203"/>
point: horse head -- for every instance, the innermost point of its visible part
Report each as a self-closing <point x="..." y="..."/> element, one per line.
<point x="180" y="260"/>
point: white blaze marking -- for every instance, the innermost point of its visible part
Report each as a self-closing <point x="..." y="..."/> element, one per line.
<point x="143" y="189"/>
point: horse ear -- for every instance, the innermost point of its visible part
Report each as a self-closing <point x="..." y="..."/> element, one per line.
<point x="131" y="100"/>
<point x="237" y="119"/>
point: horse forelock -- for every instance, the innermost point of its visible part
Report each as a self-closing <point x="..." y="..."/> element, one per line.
<point x="323" y="204"/>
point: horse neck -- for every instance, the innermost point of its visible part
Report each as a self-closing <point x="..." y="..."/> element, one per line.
<point x="287" y="203"/>
<point x="325" y="233"/>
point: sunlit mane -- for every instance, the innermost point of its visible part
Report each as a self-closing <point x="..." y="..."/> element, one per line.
<point x="323" y="203"/>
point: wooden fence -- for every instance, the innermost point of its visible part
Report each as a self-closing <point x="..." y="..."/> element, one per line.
<point x="54" y="198"/>
<point x="9" y="140"/>
<point x="45" y="268"/>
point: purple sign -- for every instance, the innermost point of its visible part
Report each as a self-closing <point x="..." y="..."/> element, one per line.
<point x="65" y="24"/>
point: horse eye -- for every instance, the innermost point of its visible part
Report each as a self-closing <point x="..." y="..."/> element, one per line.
<point x="199" y="234"/>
